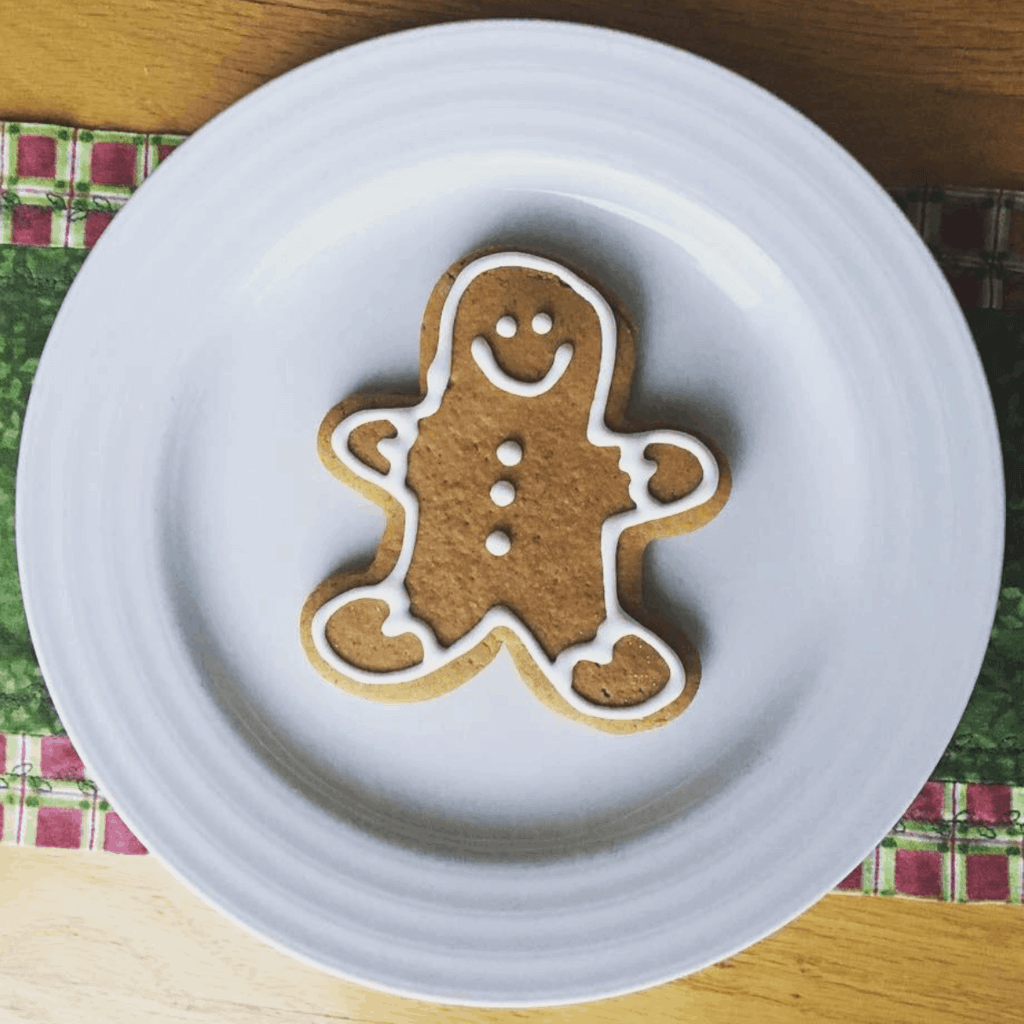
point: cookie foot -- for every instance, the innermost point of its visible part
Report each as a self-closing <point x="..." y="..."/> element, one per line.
<point x="355" y="634"/>
<point x="636" y="673"/>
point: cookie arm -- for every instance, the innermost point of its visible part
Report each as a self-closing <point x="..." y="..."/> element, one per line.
<point x="668" y="455"/>
<point x="374" y="445"/>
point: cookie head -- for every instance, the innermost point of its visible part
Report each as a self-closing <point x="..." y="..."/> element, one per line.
<point x="526" y="333"/>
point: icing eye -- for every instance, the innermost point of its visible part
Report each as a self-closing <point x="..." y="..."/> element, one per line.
<point x="506" y="326"/>
<point x="498" y="543"/>
<point x="509" y="453"/>
<point x="503" y="493"/>
<point x="542" y="323"/>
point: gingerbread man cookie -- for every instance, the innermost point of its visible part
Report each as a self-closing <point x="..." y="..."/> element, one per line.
<point x="517" y="512"/>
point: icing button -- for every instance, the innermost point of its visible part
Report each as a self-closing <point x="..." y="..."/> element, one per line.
<point x="498" y="543"/>
<point x="509" y="453"/>
<point x="542" y="323"/>
<point x="503" y="493"/>
<point x="506" y="326"/>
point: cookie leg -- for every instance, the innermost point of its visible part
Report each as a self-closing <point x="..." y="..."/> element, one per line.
<point x="367" y="634"/>
<point x="355" y="632"/>
<point x="624" y="669"/>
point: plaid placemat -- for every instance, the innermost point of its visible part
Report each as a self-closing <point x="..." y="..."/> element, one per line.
<point x="961" y="840"/>
<point x="977" y="236"/>
<point x="62" y="186"/>
<point x="46" y="799"/>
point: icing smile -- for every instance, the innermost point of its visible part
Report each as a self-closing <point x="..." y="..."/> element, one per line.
<point x="483" y="356"/>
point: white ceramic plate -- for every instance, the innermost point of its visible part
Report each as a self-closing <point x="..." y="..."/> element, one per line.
<point x="173" y="514"/>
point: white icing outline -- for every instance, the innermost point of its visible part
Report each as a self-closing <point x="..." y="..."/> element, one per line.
<point x="483" y="356"/>
<point x="617" y="624"/>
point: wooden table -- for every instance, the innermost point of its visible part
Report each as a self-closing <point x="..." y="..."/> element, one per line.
<point x="919" y="91"/>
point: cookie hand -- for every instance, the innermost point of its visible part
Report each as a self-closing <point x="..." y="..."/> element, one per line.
<point x="374" y="444"/>
<point x="660" y="465"/>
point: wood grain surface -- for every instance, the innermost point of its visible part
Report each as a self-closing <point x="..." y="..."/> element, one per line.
<point x="118" y="940"/>
<point x="918" y="91"/>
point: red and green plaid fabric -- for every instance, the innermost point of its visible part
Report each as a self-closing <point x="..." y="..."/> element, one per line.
<point x="46" y="799"/>
<point x="62" y="186"/>
<point x="977" y="237"/>
<point x="959" y="841"/>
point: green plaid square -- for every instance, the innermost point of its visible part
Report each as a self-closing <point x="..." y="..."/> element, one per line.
<point x="37" y="156"/>
<point x="915" y="864"/>
<point x="109" y="163"/>
<point x="31" y="219"/>
<point x="160" y="147"/>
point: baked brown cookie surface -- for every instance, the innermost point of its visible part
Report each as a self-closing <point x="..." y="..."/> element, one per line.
<point x="519" y="502"/>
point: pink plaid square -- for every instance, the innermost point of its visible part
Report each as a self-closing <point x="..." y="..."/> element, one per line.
<point x="96" y="222"/>
<point x="988" y="877"/>
<point x="918" y="873"/>
<point x="118" y="838"/>
<point x="963" y="227"/>
<point x="37" y="156"/>
<point x="59" y="826"/>
<point x="988" y="805"/>
<point x="966" y="285"/>
<point x="927" y="805"/>
<point x="59" y="760"/>
<point x="854" y="880"/>
<point x="30" y="225"/>
<point x="113" y="163"/>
